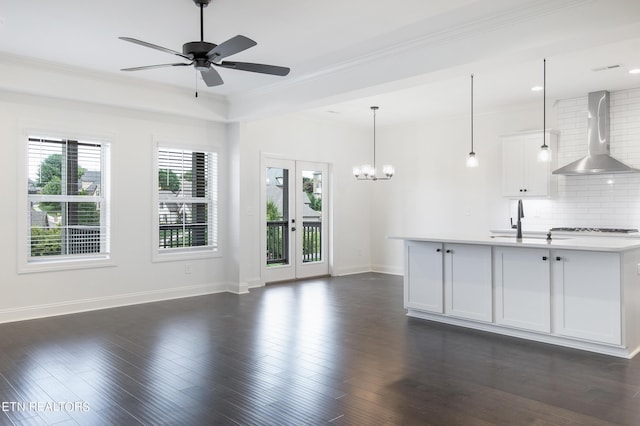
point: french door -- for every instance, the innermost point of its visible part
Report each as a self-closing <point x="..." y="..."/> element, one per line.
<point x="294" y="219"/>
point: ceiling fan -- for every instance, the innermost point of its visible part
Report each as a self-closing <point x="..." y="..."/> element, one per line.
<point x="204" y="55"/>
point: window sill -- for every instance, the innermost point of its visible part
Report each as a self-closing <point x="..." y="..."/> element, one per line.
<point x="170" y="256"/>
<point x="64" y="265"/>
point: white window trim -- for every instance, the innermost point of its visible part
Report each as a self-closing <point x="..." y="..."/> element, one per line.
<point x="190" y="253"/>
<point x="54" y="263"/>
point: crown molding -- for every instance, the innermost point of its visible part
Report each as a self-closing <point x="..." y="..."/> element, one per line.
<point x="54" y="80"/>
<point x="483" y="31"/>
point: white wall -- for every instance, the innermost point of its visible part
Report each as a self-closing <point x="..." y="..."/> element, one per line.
<point x="299" y="137"/>
<point x="134" y="278"/>
<point x="433" y="191"/>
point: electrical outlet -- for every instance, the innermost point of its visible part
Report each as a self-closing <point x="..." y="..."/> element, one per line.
<point x="638" y="268"/>
<point x="187" y="268"/>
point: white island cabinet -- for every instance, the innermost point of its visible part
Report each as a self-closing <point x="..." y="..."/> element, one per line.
<point x="587" y="295"/>
<point x="456" y="273"/>
<point x="424" y="277"/>
<point x="581" y="293"/>
<point x="523" y="288"/>
<point x="467" y="279"/>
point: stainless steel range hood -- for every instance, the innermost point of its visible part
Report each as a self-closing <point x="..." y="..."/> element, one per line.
<point x="598" y="159"/>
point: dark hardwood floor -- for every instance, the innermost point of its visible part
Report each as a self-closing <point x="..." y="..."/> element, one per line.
<point x="326" y="351"/>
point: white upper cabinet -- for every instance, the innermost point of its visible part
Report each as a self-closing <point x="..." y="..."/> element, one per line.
<point x="522" y="174"/>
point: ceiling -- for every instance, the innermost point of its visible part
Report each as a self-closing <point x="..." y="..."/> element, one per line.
<point x="412" y="61"/>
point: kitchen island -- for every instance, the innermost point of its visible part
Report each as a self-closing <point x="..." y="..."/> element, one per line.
<point x="580" y="292"/>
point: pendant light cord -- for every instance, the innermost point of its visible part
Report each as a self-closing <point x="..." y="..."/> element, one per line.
<point x="471" y="112"/>
<point x="374" y="108"/>
<point x="374" y="139"/>
<point x="544" y="102"/>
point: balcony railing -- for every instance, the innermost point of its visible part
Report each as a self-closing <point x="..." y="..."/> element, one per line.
<point x="182" y="235"/>
<point x="278" y="242"/>
<point x="311" y="241"/>
<point x="82" y="239"/>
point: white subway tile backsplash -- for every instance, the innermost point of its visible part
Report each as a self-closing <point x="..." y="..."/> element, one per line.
<point x="611" y="201"/>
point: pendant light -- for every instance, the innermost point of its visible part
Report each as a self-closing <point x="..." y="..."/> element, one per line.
<point x="472" y="160"/>
<point x="544" y="155"/>
<point x="367" y="171"/>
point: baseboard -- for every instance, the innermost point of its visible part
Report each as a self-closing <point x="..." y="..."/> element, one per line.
<point x="255" y="283"/>
<point x="238" y="288"/>
<point x="387" y="269"/>
<point x="84" y="305"/>
<point x="361" y="269"/>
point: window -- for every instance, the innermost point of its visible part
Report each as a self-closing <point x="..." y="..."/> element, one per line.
<point x="187" y="215"/>
<point x="67" y="200"/>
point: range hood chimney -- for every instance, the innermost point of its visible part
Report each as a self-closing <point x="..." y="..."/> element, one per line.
<point x="598" y="159"/>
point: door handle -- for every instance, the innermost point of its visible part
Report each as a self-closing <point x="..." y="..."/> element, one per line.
<point x="293" y="228"/>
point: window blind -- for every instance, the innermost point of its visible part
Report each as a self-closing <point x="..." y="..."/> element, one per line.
<point x="67" y="207"/>
<point x="187" y="199"/>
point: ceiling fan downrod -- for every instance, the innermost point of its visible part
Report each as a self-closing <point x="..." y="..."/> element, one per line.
<point x="202" y="4"/>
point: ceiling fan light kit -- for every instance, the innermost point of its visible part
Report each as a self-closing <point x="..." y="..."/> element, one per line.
<point x="204" y="55"/>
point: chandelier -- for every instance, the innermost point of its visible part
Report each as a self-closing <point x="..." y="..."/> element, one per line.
<point x="368" y="171"/>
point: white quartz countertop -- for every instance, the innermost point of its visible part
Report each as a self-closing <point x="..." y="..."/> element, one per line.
<point x="609" y="244"/>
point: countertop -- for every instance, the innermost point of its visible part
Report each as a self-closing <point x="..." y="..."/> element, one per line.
<point x="607" y="244"/>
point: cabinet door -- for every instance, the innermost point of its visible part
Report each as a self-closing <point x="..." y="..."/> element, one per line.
<point x="536" y="173"/>
<point x="512" y="168"/>
<point x="587" y="295"/>
<point x="467" y="279"/>
<point x="522" y="174"/>
<point x="523" y="289"/>
<point x="423" y="276"/>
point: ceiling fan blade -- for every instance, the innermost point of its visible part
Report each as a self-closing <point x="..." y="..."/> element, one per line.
<point x="211" y="77"/>
<point x="260" y="68"/>
<point x="154" y="46"/>
<point x="149" y="67"/>
<point x="230" y="47"/>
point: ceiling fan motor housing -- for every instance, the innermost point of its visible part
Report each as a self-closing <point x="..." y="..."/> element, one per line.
<point x="203" y="3"/>
<point x="198" y="50"/>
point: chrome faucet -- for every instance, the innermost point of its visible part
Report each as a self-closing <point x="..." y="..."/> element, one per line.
<point x="519" y="223"/>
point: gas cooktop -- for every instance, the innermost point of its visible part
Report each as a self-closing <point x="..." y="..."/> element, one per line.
<point x="604" y="230"/>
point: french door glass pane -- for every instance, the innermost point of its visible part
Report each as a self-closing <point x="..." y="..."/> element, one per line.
<point x="277" y="181"/>
<point x="311" y="199"/>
